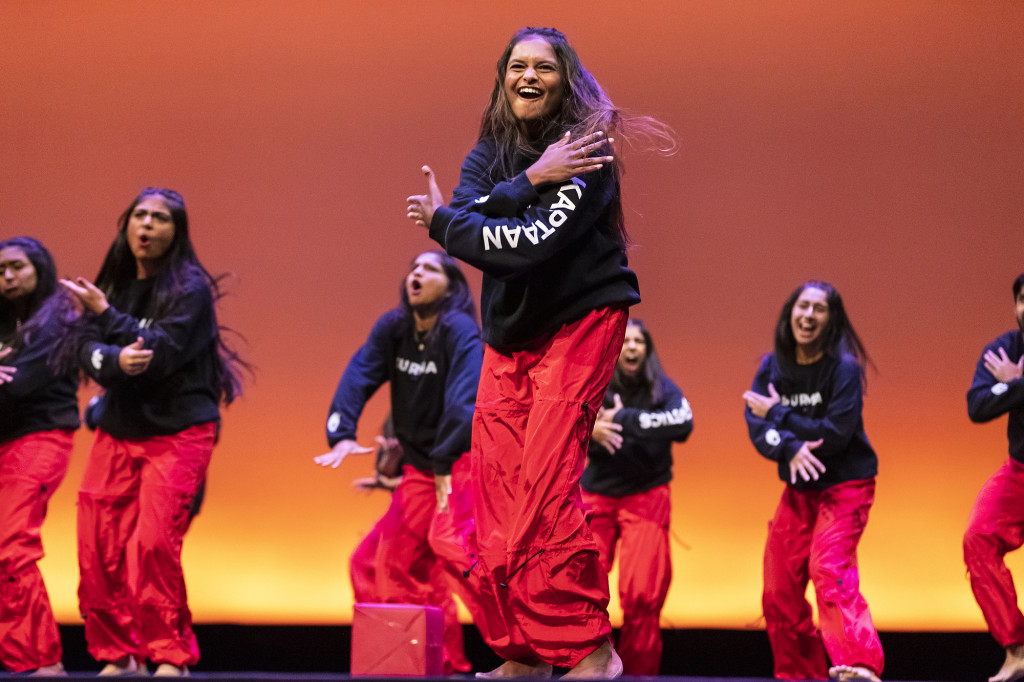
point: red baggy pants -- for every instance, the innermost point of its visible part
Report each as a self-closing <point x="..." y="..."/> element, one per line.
<point x="145" y="487"/>
<point x="418" y="546"/>
<point x="363" y="573"/>
<point x="31" y="468"/>
<point x="995" y="527"/>
<point x="638" y="525"/>
<point x="535" y="409"/>
<point x="814" y="536"/>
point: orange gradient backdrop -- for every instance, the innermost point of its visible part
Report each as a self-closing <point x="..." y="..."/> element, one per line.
<point x="877" y="144"/>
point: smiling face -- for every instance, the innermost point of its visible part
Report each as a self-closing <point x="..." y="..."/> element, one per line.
<point x="19" y="278"/>
<point x="150" y="232"/>
<point x="426" y="285"/>
<point x="808" y="321"/>
<point x="633" y="353"/>
<point x="533" y="83"/>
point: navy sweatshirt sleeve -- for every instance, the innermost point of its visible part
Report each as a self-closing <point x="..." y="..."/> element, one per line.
<point x="364" y="374"/>
<point x="32" y="373"/>
<point x="768" y="437"/>
<point x="456" y="422"/>
<point x="178" y="337"/>
<point x="989" y="398"/>
<point x="673" y="422"/>
<point x="841" y="420"/>
<point x="36" y="399"/>
<point x="505" y="246"/>
<point x="478" y="192"/>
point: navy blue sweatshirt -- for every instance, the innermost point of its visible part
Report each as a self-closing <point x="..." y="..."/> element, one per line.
<point x="821" y="400"/>
<point x="433" y="387"/>
<point x="545" y="253"/>
<point x="36" y="399"/>
<point x="988" y="398"/>
<point x="645" y="459"/>
<point x="179" y="388"/>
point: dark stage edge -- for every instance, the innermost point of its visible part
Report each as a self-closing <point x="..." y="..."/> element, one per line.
<point x="285" y="653"/>
<point x="336" y="677"/>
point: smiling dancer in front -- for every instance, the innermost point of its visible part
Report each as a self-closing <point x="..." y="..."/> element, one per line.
<point x="538" y="210"/>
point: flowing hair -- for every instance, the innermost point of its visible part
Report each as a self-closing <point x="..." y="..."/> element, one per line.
<point x="585" y="109"/>
<point x="49" y="307"/>
<point x="458" y="298"/>
<point x="177" y="270"/>
<point x="838" y="337"/>
<point x="650" y="375"/>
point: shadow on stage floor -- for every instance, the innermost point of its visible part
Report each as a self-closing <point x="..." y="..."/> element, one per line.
<point x="302" y="653"/>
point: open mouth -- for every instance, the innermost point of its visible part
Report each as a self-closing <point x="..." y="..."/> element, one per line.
<point x="143" y="241"/>
<point x="529" y="93"/>
<point x="415" y="286"/>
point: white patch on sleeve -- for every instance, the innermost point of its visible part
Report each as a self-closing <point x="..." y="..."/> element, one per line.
<point x="97" y="359"/>
<point x="772" y="437"/>
<point x="333" y="422"/>
<point x="1000" y="388"/>
<point x="482" y="199"/>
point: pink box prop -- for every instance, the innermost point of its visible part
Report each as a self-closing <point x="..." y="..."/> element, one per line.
<point x="397" y="640"/>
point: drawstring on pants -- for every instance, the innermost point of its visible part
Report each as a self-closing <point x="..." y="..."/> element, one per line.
<point x="520" y="567"/>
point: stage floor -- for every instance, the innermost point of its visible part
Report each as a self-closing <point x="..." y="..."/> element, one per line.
<point x="302" y="653"/>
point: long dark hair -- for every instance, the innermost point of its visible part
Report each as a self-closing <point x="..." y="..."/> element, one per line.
<point x="585" y="108"/>
<point x="48" y="308"/>
<point x="177" y="270"/>
<point x="648" y="379"/>
<point x="838" y="337"/>
<point x="459" y="298"/>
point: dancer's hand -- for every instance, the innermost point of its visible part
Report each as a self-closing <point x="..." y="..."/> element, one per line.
<point x="134" y="359"/>
<point x="365" y="485"/>
<point x="341" y="450"/>
<point x="422" y="206"/>
<point x="566" y="159"/>
<point x="1002" y="367"/>
<point x="388" y="483"/>
<point x="378" y="482"/>
<point x="87" y="294"/>
<point x="606" y="432"/>
<point x="6" y="373"/>
<point x="806" y="464"/>
<point x="760" y="404"/>
<point x="443" y="488"/>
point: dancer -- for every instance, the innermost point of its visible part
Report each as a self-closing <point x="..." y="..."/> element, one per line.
<point x="538" y="210"/>
<point x="38" y="418"/>
<point x="804" y="412"/>
<point x="625" y="485"/>
<point x="428" y="349"/>
<point x="153" y="342"/>
<point x="362" y="564"/>
<point x="996" y="524"/>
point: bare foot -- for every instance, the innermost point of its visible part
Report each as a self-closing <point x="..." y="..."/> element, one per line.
<point x="55" y="670"/>
<point x="170" y="670"/>
<point x="600" y="664"/>
<point x="126" y="666"/>
<point x="522" y="668"/>
<point x="1013" y="666"/>
<point x="852" y="673"/>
